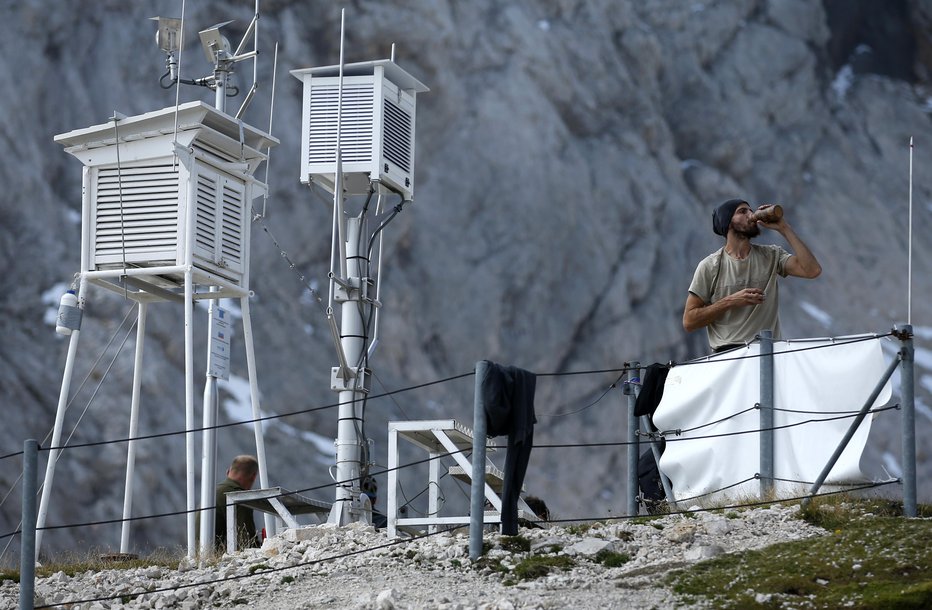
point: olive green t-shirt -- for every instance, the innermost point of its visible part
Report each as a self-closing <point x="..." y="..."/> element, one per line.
<point x="719" y="275"/>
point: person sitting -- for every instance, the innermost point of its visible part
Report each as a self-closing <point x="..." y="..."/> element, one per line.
<point x="240" y="477"/>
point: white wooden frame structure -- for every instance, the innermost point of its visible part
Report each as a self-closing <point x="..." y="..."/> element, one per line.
<point x="440" y="437"/>
<point x="166" y="213"/>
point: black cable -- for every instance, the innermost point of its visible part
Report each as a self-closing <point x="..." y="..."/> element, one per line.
<point x="442" y="455"/>
<point x="162" y="81"/>
<point x="259" y="419"/>
<point x="437" y="456"/>
<point x="591" y="404"/>
<point x="719" y="490"/>
<point x="214" y="507"/>
<point x="834" y="343"/>
<point x="803" y="412"/>
<point x="123" y="596"/>
<point x="727" y="507"/>
<point x="663" y="433"/>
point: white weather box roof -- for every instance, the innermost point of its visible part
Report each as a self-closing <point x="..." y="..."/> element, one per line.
<point x="194" y="119"/>
<point x="392" y="71"/>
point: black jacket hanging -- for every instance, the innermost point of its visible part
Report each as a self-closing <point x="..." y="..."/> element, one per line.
<point x="507" y="395"/>
<point x="651" y="389"/>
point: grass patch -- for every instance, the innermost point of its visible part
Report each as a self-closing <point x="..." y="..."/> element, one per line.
<point x="516" y="544"/>
<point x="870" y="559"/>
<point x="538" y="566"/>
<point x="611" y="559"/>
<point x="645" y="520"/>
<point x="485" y="562"/>
<point x="578" y="529"/>
<point x="834" y="512"/>
<point x="72" y="564"/>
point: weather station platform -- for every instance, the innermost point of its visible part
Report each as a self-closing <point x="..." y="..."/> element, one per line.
<point x="441" y="438"/>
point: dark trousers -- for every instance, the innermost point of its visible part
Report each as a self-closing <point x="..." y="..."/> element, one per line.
<point x="516" y="462"/>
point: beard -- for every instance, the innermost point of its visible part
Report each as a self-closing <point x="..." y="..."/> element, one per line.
<point x="752" y="231"/>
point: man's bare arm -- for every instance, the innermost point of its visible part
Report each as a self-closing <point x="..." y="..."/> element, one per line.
<point x="697" y="314"/>
<point x="803" y="262"/>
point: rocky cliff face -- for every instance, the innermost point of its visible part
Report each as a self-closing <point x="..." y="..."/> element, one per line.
<point x="569" y="154"/>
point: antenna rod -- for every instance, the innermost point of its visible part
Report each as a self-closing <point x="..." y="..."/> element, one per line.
<point x="338" y="177"/>
<point x="268" y="149"/>
<point x="909" y="247"/>
<point x="178" y="86"/>
<point x="255" y="48"/>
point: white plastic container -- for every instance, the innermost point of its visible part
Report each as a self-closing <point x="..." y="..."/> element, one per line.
<point x="69" y="316"/>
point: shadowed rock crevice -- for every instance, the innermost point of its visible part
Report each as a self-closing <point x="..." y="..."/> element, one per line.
<point x="874" y="37"/>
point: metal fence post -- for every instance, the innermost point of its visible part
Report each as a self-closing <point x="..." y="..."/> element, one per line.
<point x="852" y="429"/>
<point x="27" y="553"/>
<point x="628" y="389"/>
<point x="766" y="414"/>
<point x="907" y="391"/>
<point x="477" y="489"/>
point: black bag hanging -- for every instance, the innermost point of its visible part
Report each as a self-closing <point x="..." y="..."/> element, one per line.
<point x="651" y="389"/>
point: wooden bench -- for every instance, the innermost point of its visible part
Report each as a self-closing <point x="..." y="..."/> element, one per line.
<point x="276" y="501"/>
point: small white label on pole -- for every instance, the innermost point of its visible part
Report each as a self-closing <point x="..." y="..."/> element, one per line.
<point x="218" y="364"/>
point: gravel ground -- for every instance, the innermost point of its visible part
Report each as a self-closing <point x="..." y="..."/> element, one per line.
<point x="358" y="567"/>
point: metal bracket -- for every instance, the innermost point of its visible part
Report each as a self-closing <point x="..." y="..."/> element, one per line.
<point x="355" y="289"/>
<point x="357" y="380"/>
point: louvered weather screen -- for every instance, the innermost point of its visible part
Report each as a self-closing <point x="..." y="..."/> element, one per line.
<point x="375" y="115"/>
<point x="164" y="199"/>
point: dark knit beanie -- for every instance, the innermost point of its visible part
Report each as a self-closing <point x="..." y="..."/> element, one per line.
<point x="721" y="217"/>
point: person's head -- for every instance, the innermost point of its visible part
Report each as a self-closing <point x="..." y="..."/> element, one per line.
<point x="370" y="488"/>
<point x="244" y="470"/>
<point x="734" y="215"/>
<point x="538" y="506"/>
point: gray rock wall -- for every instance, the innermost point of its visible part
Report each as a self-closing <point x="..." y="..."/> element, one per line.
<point x="568" y="158"/>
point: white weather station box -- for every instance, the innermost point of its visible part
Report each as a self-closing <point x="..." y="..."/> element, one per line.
<point x="167" y="189"/>
<point x="374" y="118"/>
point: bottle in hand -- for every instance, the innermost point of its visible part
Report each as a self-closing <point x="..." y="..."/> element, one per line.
<point x="768" y="214"/>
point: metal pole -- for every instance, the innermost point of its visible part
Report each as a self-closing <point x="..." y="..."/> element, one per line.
<point x="209" y="412"/>
<point x="189" y="410"/>
<point x="766" y="414"/>
<point x="27" y="554"/>
<point x="56" y="438"/>
<point x="477" y="489"/>
<point x="209" y="440"/>
<point x="664" y="480"/>
<point x="907" y="390"/>
<point x="208" y="466"/>
<point x="133" y="428"/>
<point x="852" y="428"/>
<point x="352" y="388"/>
<point x="256" y="406"/>
<point x="220" y="93"/>
<point x="632" y="493"/>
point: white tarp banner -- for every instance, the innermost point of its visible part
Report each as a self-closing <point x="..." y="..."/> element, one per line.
<point x="816" y="384"/>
